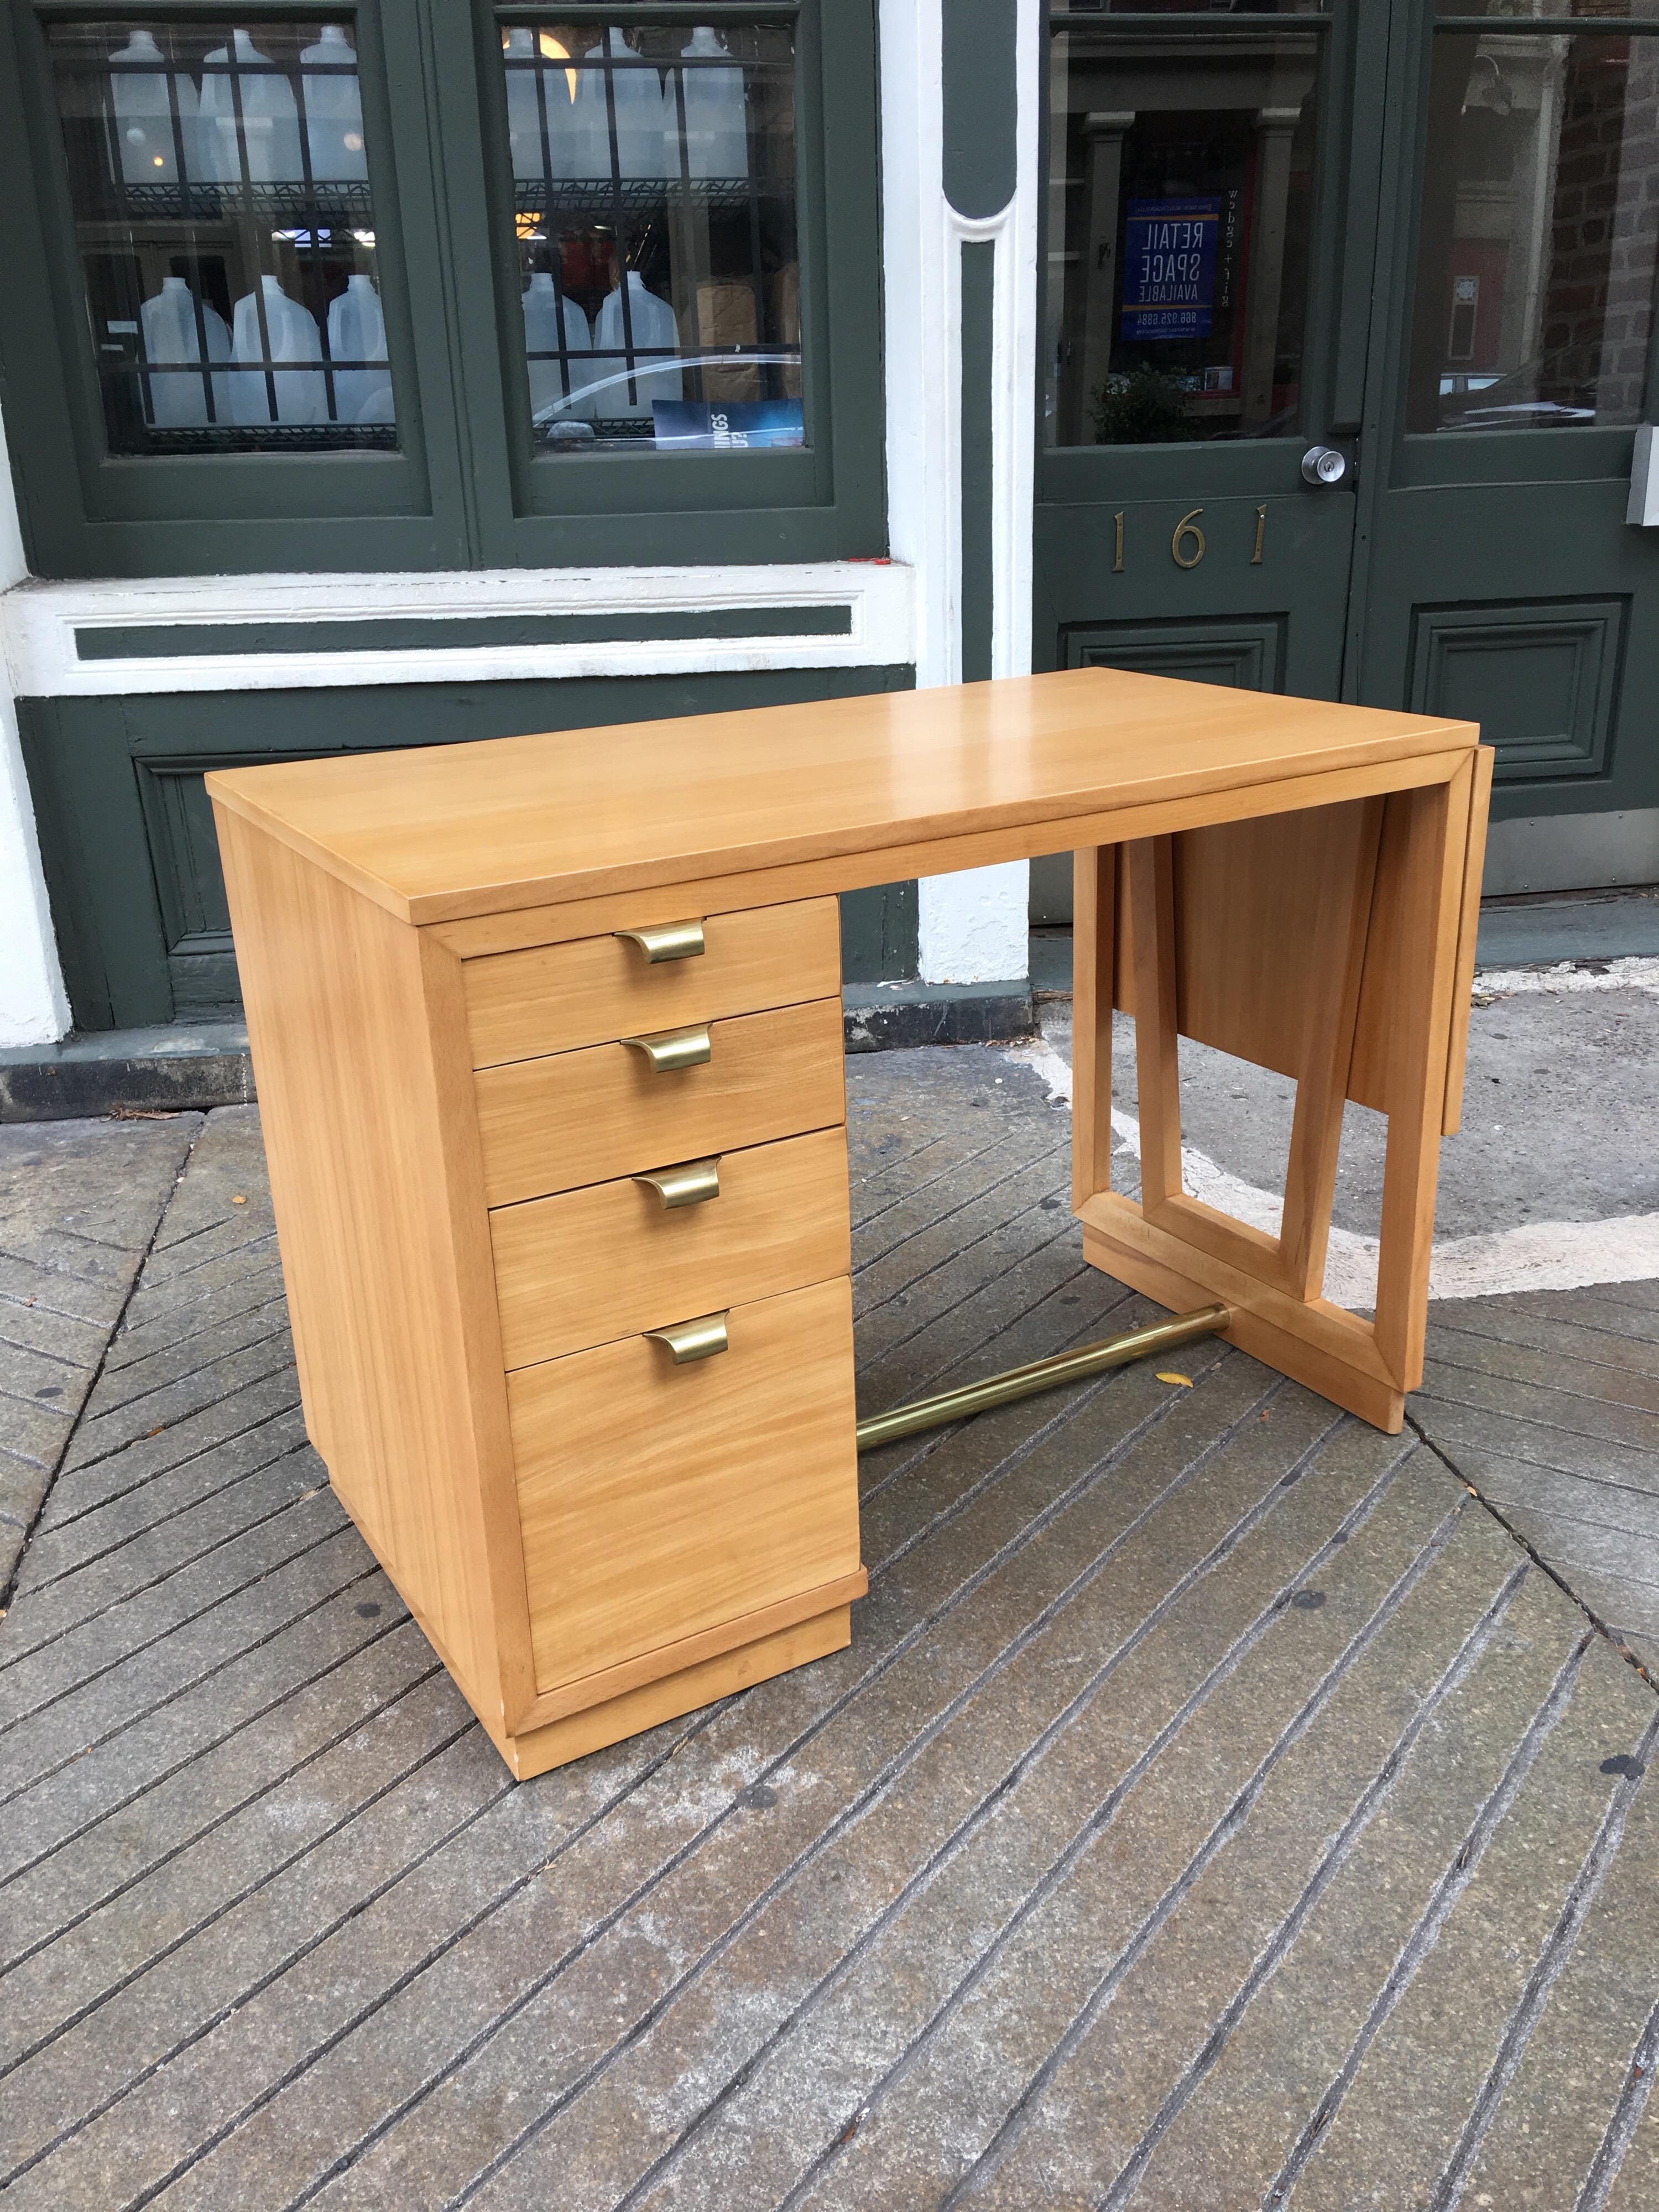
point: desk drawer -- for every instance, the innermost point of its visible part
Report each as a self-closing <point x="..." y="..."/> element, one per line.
<point x="612" y="1260"/>
<point x="660" y="1503"/>
<point x="582" y="1117"/>
<point x="557" y="998"/>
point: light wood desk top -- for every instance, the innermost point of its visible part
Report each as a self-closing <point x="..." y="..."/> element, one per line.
<point x="441" y="833"/>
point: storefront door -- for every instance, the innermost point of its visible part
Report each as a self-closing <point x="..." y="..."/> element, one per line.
<point x="1344" y="343"/>
<point x="1502" y="580"/>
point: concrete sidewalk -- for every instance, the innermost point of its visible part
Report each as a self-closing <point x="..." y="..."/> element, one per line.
<point x="1218" y="1806"/>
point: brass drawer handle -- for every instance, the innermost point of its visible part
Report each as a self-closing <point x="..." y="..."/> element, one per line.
<point x="688" y="1184"/>
<point x="693" y="1339"/>
<point x="669" y="940"/>
<point x="670" y="1049"/>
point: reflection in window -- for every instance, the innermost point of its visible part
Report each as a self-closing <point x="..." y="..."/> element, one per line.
<point x="654" y="175"/>
<point x="1181" y="186"/>
<point x="1590" y="10"/>
<point x="226" y="234"/>
<point x="1535" y="270"/>
<point x="1191" y="8"/>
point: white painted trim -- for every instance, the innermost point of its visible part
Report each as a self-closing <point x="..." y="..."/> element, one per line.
<point x="922" y="329"/>
<point x="922" y="237"/>
<point x="37" y="623"/>
<point x="972" y="926"/>
<point x="34" y="1005"/>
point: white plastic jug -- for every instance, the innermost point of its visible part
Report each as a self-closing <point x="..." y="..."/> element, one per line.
<point x="578" y="134"/>
<point x="301" y="394"/>
<point x="642" y="122"/>
<point x="356" y="331"/>
<point x="716" y="115"/>
<point x="334" y="108"/>
<point x="524" y="127"/>
<point x="654" y="329"/>
<point x="543" y="308"/>
<point x="143" y="115"/>
<point x="271" y="121"/>
<point x="180" y="401"/>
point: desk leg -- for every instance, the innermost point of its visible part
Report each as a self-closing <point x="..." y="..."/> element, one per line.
<point x="1094" y="932"/>
<point x="1429" y="882"/>
<point x="1389" y="888"/>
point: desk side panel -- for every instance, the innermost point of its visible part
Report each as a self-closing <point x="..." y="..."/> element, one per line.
<point x="353" y="1103"/>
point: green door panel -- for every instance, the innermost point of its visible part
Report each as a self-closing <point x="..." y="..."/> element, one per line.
<point x="1534" y="609"/>
<point x="1207" y="264"/>
<point x="1541" y="677"/>
<point x="1263" y="604"/>
<point x="127" y="830"/>
<point x="1509" y="361"/>
<point x="1482" y="269"/>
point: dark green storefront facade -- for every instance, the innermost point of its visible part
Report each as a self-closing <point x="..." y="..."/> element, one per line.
<point x="416" y="374"/>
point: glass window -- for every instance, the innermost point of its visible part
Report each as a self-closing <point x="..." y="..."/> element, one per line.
<point x="1180" y="197"/>
<point x="1560" y="10"/>
<point x="1195" y="8"/>
<point x="1536" y="261"/>
<point x="654" y="196"/>
<point x="219" y="179"/>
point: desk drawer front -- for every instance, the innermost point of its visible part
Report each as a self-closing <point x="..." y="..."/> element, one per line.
<point x="583" y="1117"/>
<point x="558" y="998"/>
<point x="659" y="1502"/>
<point x="612" y="1260"/>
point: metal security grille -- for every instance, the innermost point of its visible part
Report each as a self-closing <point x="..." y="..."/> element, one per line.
<point x="225" y="226"/>
<point x="654" y="209"/>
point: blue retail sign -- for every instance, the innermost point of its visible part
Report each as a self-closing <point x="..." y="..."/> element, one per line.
<point x="728" y="422"/>
<point x="1169" y="268"/>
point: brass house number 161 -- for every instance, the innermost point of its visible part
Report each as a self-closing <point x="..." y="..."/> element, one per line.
<point x="1188" y="545"/>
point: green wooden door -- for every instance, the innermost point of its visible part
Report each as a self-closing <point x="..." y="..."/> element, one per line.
<point x="1204" y="326"/>
<point x="1499" y="579"/>
<point x="1420" y="240"/>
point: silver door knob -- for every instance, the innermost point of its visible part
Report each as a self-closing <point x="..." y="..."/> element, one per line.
<point x="1323" y="464"/>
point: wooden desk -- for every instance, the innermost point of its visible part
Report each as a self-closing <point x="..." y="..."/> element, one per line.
<point x="474" y="1090"/>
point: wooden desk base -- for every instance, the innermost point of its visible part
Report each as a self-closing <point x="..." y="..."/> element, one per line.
<point x="666" y="1699"/>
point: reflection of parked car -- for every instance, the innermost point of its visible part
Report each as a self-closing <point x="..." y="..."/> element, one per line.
<point x="1521" y="415"/>
<point x="1512" y="402"/>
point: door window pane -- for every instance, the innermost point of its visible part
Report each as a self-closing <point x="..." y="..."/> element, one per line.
<point x="1181" y="188"/>
<point x="654" y="194"/>
<point x="1192" y="8"/>
<point x="1589" y="11"/>
<point x="226" y="233"/>
<point x="1536" y="269"/>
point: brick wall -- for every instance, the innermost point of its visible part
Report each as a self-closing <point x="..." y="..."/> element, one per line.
<point x="1599" y="301"/>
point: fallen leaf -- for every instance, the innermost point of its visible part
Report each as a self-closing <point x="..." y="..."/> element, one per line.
<point x="1185" y="1381"/>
